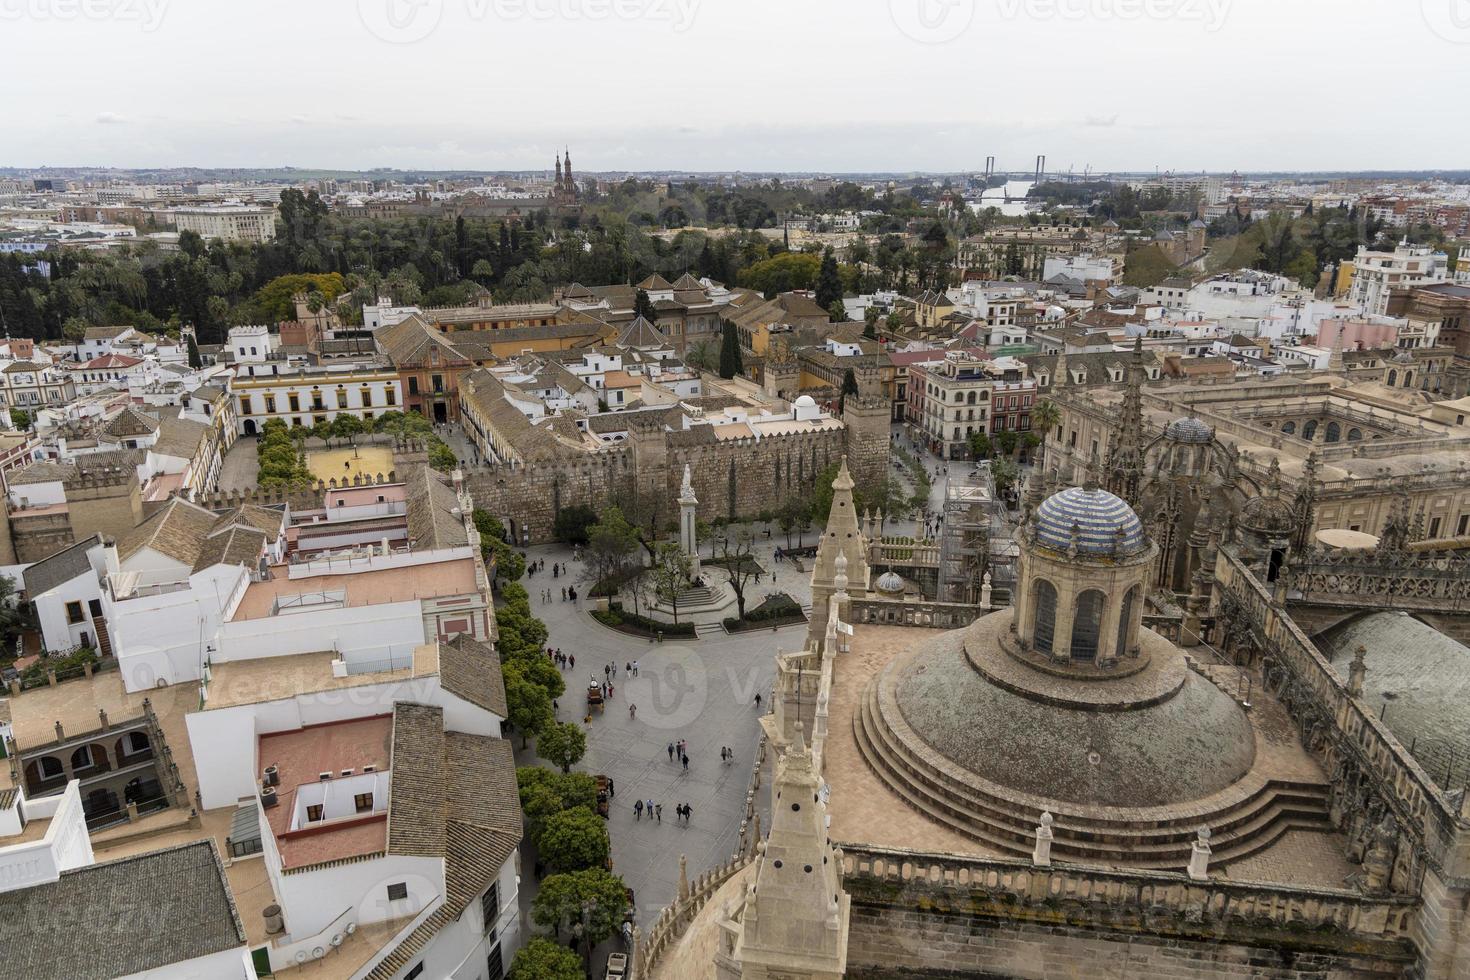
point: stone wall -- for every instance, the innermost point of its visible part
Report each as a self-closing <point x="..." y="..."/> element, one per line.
<point x="733" y="479"/>
<point x="920" y="944"/>
<point x="922" y="915"/>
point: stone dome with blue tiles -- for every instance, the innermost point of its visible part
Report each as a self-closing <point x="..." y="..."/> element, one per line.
<point x="1104" y="525"/>
<point x="1189" y="429"/>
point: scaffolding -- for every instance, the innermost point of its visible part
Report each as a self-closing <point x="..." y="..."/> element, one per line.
<point x="975" y="538"/>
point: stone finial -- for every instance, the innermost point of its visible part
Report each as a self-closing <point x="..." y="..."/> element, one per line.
<point x="683" y="877"/>
<point x="1041" y="854"/>
<point x="60" y="733"/>
<point x="1357" y="671"/>
<point x="102" y="717"/>
<point x="985" y="592"/>
<point x="839" y="582"/>
<point x="1199" y="855"/>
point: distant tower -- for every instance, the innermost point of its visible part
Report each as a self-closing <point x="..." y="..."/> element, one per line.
<point x="567" y="169"/>
<point x="558" y="177"/>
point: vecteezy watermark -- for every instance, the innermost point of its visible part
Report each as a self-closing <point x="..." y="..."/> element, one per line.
<point x="932" y="21"/>
<point x="1210" y="13"/>
<point x="671" y="687"/>
<point x="407" y="21"/>
<point x="147" y="14"/>
<point x="1449" y="19"/>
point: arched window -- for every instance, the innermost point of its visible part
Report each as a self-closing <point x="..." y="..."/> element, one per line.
<point x="1044" y="625"/>
<point x="1309" y="431"/>
<point x="1409" y="379"/>
<point x="1334" y="432"/>
<point x="1355" y="435"/>
<point x="1125" y="619"/>
<point x="1393" y="378"/>
<point x="1289" y="428"/>
<point x="1087" y="625"/>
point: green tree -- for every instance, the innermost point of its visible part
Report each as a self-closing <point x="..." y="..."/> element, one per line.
<point x="1006" y="473"/>
<point x="670" y="572"/>
<point x="591" y="901"/>
<point x="563" y="744"/>
<point x="703" y="355"/>
<point x="1007" y="441"/>
<point x="542" y="959"/>
<point x="20" y="418"/>
<point x="979" y="445"/>
<point x="571" y="840"/>
<point x="643" y="306"/>
<point x="735" y="548"/>
<point x="612" y="544"/>
<point x="731" y="363"/>
<point x="829" y="283"/>
<point x="195" y="361"/>
<point x="348" y="427"/>
<point x="528" y="704"/>
<point x="572" y="523"/>
<point x="441" y="457"/>
<point x="849" y="387"/>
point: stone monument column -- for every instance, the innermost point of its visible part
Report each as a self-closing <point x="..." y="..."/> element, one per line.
<point x="688" y="514"/>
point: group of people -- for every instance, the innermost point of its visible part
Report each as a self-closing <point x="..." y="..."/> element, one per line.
<point x="655" y="811"/>
<point x="563" y="661"/>
<point x="682" y="748"/>
<point x="568" y="594"/>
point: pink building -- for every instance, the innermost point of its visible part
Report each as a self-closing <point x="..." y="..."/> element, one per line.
<point x="1356" y="334"/>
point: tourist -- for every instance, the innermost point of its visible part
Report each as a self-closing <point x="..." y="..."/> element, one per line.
<point x="635" y="668"/>
<point x="572" y="660"/>
<point x="688" y="812"/>
<point x="671" y="751"/>
<point x="632" y="710"/>
<point x="610" y="790"/>
<point x="658" y="812"/>
<point x="637" y="809"/>
<point x="757" y="699"/>
<point x="649" y="807"/>
<point x="573" y="593"/>
<point x="685" y="760"/>
<point x="607" y="670"/>
<point x="563" y="593"/>
<point x="628" y="668"/>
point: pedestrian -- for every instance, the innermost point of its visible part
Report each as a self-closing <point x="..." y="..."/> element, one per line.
<point x="607" y="670"/>
<point x="686" y="763"/>
<point x="555" y="571"/>
<point x="638" y="810"/>
<point x="573" y="593"/>
<point x="757" y="699"/>
<point x="610" y="690"/>
<point x="563" y="593"/>
<point x="635" y="668"/>
<point x="628" y="668"/>
<point x="658" y="812"/>
<point x="688" y="812"/>
<point x="632" y="710"/>
<point x="649" y="807"/>
<point x="572" y="659"/>
<point x="610" y="790"/>
<point x="671" y="751"/>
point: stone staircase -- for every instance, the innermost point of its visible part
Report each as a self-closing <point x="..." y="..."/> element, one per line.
<point x="1243" y="820"/>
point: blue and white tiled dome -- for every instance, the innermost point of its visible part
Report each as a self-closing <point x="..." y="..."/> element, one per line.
<point x="1097" y="515"/>
<point x="1189" y="429"/>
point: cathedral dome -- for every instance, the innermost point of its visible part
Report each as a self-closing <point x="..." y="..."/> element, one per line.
<point x="1189" y="429"/>
<point x="1104" y="524"/>
<point x="890" y="582"/>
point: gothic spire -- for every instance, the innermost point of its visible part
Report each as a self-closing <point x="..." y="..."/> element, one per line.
<point x="1126" y="464"/>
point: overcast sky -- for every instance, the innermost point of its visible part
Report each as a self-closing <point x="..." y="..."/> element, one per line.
<point x="835" y="85"/>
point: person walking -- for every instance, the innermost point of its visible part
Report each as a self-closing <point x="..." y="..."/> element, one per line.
<point x="757" y="699"/>
<point x="632" y="710"/>
<point x="688" y="812"/>
<point x="671" y="751"/>
<point x="563" y="593"/>
<point x="658" y="812"/>
<point x="685" y="760"/>
<point x="648" y="806"/>
<point x="637" y="809"/>
<point x="572" y="660"/>
<point x="607" y="670"/>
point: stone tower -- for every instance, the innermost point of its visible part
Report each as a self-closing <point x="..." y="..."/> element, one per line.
<point x="842" y="536"/>
<point x="1125" y="459"/>
<point x="793" y="920"/>
<point x="867" y="419"/>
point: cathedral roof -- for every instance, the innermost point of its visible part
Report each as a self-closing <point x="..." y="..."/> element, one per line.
<point x="1103" y="524"/>
<point x="1189" y="429"/>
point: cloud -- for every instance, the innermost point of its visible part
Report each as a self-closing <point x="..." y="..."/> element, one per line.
<point x="1101" y="122"/>
<point x="110" y="119"/>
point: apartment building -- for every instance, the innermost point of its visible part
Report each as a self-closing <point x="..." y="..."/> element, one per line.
<point x="950" y="400"/>
<point x="228" y="222"/>
<point x="309" y="394"/>
<point x="1376" y="275"/>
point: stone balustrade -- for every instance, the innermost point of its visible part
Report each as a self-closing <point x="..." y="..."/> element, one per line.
<point x="1441" y="586"/>
<point x="1160" y="901"/>
<point x="934" y="615"/>
<point x="1309" y="685"/>
<point x="674" y="919"/>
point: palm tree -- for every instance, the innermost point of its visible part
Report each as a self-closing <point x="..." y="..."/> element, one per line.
<point x="1045" y="416"/>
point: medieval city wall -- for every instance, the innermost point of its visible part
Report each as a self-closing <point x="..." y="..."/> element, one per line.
<point x="735" y="479"/>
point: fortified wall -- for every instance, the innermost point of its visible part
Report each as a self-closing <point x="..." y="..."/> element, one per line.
<point x="733" y="479"/>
